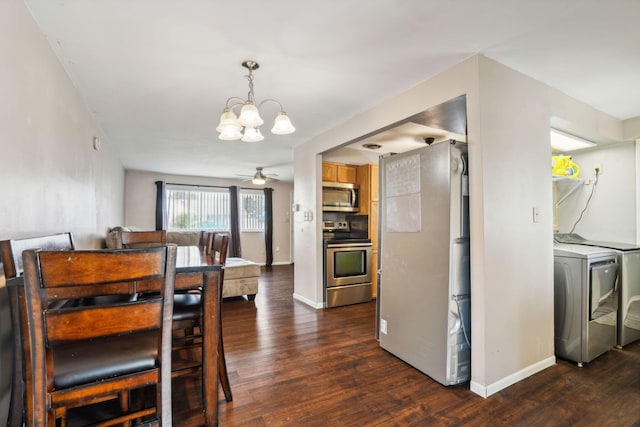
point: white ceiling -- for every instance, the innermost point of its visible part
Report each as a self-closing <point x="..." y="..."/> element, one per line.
<point x="156" y="73"/>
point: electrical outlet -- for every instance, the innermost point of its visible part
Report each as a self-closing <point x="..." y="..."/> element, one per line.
<point x="597" y="168"/>
<point x="383" y="326"/>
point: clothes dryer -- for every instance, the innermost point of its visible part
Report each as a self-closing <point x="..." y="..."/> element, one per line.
<point x="629" y="284"/>
<point x="585" y="301"/>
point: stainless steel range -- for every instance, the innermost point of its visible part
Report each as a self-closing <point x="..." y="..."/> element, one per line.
<point x="347" y="264"/>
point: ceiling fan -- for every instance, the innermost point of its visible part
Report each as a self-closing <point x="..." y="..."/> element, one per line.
<point x="260" y="178"/>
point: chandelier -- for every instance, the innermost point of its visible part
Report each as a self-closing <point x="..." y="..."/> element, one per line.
<point x="247" y="125"/>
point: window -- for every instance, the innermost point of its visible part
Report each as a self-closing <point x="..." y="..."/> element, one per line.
<point x="251" y="210"/>
<point x="207" y="208"/>
<point x="197" y="208"/>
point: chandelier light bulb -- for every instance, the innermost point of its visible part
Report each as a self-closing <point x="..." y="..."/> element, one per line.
<point x="230" y="134"/>
<point x="252" y="135"/>
<point x="228" y="122"/>
<point x="250" y="116"/>
<point x="282" y="124"/>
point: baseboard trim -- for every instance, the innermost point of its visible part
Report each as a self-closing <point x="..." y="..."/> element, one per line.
<point x="308" y="301"/>
<point x="512" y="379"/>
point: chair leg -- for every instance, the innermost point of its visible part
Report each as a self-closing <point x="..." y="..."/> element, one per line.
<point x="125" y="404"/>
<point x="16" y="405"/>
<point x="222" y="369"/>
<point x="58" y="414"/>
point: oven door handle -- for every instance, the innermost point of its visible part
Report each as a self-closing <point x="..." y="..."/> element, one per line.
<point x="348" y="245"/>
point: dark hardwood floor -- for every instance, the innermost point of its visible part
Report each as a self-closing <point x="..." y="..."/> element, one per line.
<point x="291" y="365"/>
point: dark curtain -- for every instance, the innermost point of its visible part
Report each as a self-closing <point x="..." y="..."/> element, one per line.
<point x="161" y="205"/>
<point x="268" y="225"/>
<point x="234" y="239"/>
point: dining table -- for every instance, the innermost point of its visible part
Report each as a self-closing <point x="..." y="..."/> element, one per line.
<point x="195" y="269"/>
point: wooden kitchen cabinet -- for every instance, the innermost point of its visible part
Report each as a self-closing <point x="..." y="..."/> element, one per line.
<point x="374" y="182"/>
<point x="374" y="274"/>
<point x="367" y="180"/>
<point x="338" y="172"/>
<point x="346" y="173"/>
<point x="373" y="225"/>
<point x="329" y="171"/>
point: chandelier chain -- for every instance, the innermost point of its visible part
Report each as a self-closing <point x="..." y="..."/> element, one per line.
<point x="250" y="96"/>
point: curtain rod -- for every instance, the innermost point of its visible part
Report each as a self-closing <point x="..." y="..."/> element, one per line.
<point x="212" y="186"/>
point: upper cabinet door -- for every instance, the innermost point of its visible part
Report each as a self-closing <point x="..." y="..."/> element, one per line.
<point x="346" y="173"/>
<point x="338" y="172"/>
<point x="329" y="172"/>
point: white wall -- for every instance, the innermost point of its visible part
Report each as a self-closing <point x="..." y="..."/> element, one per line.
<point x="611" y="215"/>
<point x="140" y="205"/>
<point x="638" y="191"/>
<point x="509" y="116"/>
<point x="52" y="178"/>
<point x="516" y="252"/>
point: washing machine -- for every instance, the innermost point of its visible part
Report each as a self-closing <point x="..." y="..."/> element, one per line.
<point x="629" y="284"/>
<point x="585" y="301"/>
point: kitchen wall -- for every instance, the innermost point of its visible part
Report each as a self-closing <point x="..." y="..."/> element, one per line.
<point x="611" y="214"/>
<point x="509" y="116"/>
<point x="51" y="178"/>
<point x="140" y="205"/>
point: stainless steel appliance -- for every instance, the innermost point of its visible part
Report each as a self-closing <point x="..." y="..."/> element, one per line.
<point x="335" y="226"/>
<point x="340" y="197"/>
<point x="424" y="289"/>
<point x="347" y="272"/>
<point x="629" y="283"/>
<point x="585" y="301"/>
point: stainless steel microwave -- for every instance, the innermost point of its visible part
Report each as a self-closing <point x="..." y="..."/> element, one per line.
<point x="340" y="197"/>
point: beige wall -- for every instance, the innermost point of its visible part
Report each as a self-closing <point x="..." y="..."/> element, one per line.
<point x="52" y="178"/>
<point x="611" y="215"/>
<point x="509" y="116"/>
<point x="140" y="205"/>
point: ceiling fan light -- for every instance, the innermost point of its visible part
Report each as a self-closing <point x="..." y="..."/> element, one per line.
<point x="258" y="180"/>
<point x="252" y="135"/>
<point x="249" y="116"/>
<point x="228" y="121"/>
<point x="282" y="124"/>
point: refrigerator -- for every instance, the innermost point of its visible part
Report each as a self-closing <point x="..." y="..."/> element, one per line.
<point x="424" y="297"/>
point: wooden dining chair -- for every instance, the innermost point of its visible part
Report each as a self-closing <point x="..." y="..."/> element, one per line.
<point x="89" y="353"/>
<point x="218" y="251"/>
<point x="188" y="317"/>
<point x="141" y="239"/>
<point x="11" y="252"/>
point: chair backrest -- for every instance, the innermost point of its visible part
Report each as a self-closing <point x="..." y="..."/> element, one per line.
<point x="142" y="239"/>
<point x="12" y="249"/>
<point x="219" y="248"/>
<point x="207" y="239"/>
<point x="204" y="236"/>
<point x="54" y="275"/>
